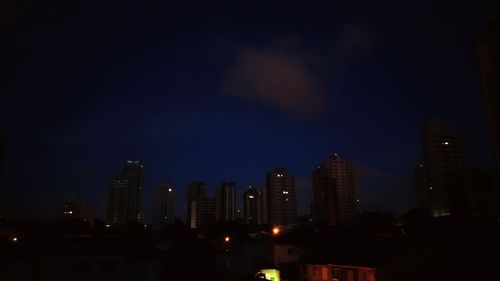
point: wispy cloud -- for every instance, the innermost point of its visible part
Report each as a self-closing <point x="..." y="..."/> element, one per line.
<point x="276" y="78"/>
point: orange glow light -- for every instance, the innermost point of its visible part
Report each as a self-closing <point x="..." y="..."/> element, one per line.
<point x="226" y="238"/>
<point x="276" y="230"/>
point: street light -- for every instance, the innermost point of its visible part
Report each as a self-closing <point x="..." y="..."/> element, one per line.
<point x="276" y="230"/>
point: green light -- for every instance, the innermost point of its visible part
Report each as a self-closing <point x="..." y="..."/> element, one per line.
<point x="271" y="274"/>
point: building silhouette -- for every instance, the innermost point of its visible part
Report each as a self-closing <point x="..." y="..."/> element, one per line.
<point x="472" y="193"/>
<point x="281" y="198"/>
<point x="163" y="204"/>
<point x="253" y="206"/>
<point x="422" y="190"/>
<point x="226" y="201"/>
<point x="125" y="194"/>
<point x="335" y="198"/>
<point x="444" y="153"/>
<point x="489" y="65"/>
<point x="76" y="209"/>
<point x="201" y="210"/>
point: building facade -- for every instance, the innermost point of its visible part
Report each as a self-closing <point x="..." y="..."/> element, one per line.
<point x="472" y="193"/>
<point x="281" y="198"/>
<point x="201" y="210"/>
<point x="489" y="65"/>
<point x="164" y="204"/>
<point x="76" y="209"/>
<point x="444" y="153"/>
<point x="253" y="206"/>
<point x="337" y="272"/>
<point x="125" y="194"/>
<point x="226" y="201"/>
<point x="335" y="198"/>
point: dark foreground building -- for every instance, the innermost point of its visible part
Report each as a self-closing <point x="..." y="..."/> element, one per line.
<point x="125" y="194"/>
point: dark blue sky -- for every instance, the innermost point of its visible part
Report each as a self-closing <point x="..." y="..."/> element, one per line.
<point x="225" y="91"/>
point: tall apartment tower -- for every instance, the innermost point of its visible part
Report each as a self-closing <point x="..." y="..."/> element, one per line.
<point x="201" y="210"/>
<point x="489" y="63"/>
<point x="125" y="194"/>
<point x="335" y="200"/>
<point x="253" y="206"/>
<point x="226" y="201"/>
<point x="422" y="187"/>
<point x="444" y="153"/>
<point x="281" y="198"/>
<point x="164" y="204"/>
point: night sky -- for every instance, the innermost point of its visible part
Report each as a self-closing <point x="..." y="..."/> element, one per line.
<point x="226" y="91"/>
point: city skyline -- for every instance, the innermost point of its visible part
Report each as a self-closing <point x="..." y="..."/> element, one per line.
<point x="250" y="140"/>
<point x="186" y="93"/>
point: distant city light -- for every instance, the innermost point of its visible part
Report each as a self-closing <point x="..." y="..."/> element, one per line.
<point x="14" y="239"/>
<point x="285" y="192"/>
<point x="250" y="196"/>
<point x="226" y="239"/>
<point x="169" y="190"/>
<point x="107" y="225"/>
<point x="430" y="187"/>
<point x="446" y="143"/>
<point x="276" y="230"/>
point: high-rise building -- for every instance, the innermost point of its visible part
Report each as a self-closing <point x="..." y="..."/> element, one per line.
<point x="196" y="189"/>
<point x="423" y="199"/>
<point x="472" y="192"/>
<point x="335" y="198"/>
<point x="76" y="209"/>
<point x="125" y="194"/>
<point x="226" y="201"/>
<point x="252" y="206"/>
<point x="489" y="62"/>
<point x="263" y="205"/>
<point x="281" y="198"/>
<point x="444" y="152"/>
<point x="164" y="204"/>
<point x="201" y="210"/>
